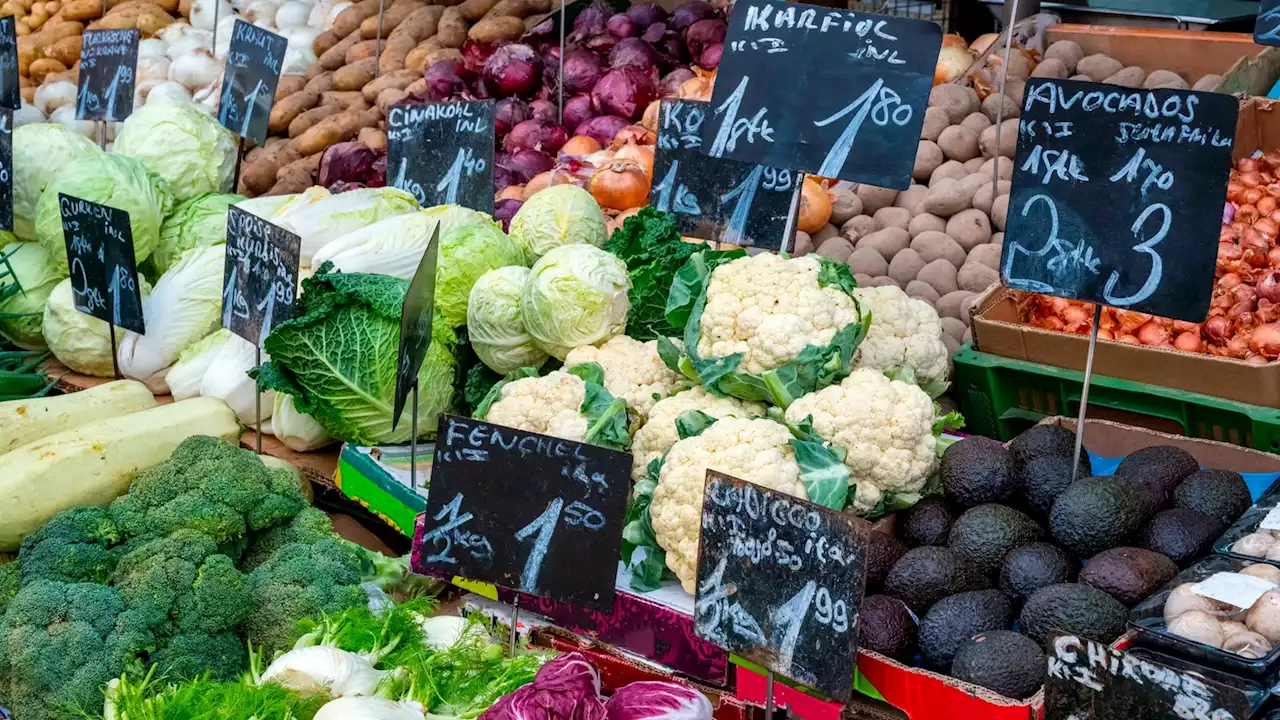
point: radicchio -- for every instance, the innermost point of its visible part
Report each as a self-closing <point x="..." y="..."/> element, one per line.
<point x="566" y="688"/>
<point x="350" y="164"/>
<point x="658" y="701"/>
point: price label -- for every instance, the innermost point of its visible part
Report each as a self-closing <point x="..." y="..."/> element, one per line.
<point x="1087" y="679"/>
<point x="529" y="512"/>
<point x="829" y="92"/>
<point x="249" y="80"/>
<point x="108" y="62"/>
<point x="442" y="153"/>
<point x="1231" y="588"/>
<point x="6" y="169"/>
<point x="713" y="198"/>
<point x="1267" y="29"/>
<point x="10" y="85"/>
<point x="780" y="582"/>
<point x="415" y="324"/>
<point x="104" y="275"/>
<point x="259" y="276"/>
<point x="1114" y="194"/>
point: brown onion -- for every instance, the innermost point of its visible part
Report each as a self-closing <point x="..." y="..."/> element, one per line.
<point x="1257" y="360"/>
<point x="620" y="185"/>
<point x="1153" y="334"/>
<point x="1217" y="329"/>
<point x="1265" y="340"/>
<point x="1273" y="257"/>
<point x="580" y="145"/>
<point x="1237" y="347"/>
<point x="1234" y="191"/>
<point x="1228" y="252"/>
<point x="1271" y="159"/>
<point x="1267" y="204"/>
<point x="1130" y="321"/>
<point x="1246" y="165"/>
<point x="1189" y="342"/>
<point x="1254" y="257"/>
<point x="1131" y="340"/>
<point x="638" y="134"/>
<point x="1252" y="195"/>
<point x="1184" y="326"/>
<point x="1240" y="308"/>
<point x="1268" y="287"/>
<point x="1246" y="215"/>
<point x="642" y="155"/>
<point x="1250" y="179"/>
<point x="1105" y="335"/>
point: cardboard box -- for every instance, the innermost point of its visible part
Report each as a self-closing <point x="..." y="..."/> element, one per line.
<point x="1191" y="54"/>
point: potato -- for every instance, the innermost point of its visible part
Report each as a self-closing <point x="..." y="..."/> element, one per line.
<point x="946" y="198"/>
<point x="949" y="170"/>
<point x="336" y="56"/>
<point x="493" y="29"/>
<point x="320" y="83"/>
<point x="976" y="277"/>
<point x="296" y="176"/>
<point x="873" y="198"/>
<point x="956" y="101"/>
<point x="1008" y="139"/>
<point x="974" y="165"/>
<point x="844" y="204"/>
<point x="304" y="121"/>
<point x="859" y="226"/>
<point x="868" y="261"/>
<point x="1130" y="77"/>
<point x="986" y="254"/>
<point x="924" y="222"/>
<point x="399" y="79"/>
<point x="862" y="280"/>
<point x="1067" y="52"/>
<point x="288" y="85"/>
<point x="284" y="111"/>
<point x="893" y="217"/>
<point x="911" y="197"/>
<point x="949" y="304"/>
<point x="1006" y="168"/>
<point x="837" y="248"/>
<point x="1099" y="67"/>
<point x="973" y="181"/>
<point x="928" y="158"/>
<point x="889" y="242"/>
<point x="970" y="228"/>
<point x="991" y="107"/>
<point x="905" y="266"/>
<point x="45" y="66"/>
<point x="418" y="88"/>
<point x="882" y="280"/>
<point x="392" y="96"/>
<point x="333" y="130"/>
<point x="1000" y="211"/>
<point x="391" y="18"/>
<point x="935" y="121"/>
<point x="417" y="57"/>
<point x="959" y="143"/>
<point x="421" y="24"/>
<point x="360" y="51"/>
<point x="1208" y="83"/>
<point x="1081" y="78"/>
<point x="349" y="20"/>
<point x="394" y="53"/>
<point x="826" y="232"/>
<point x="355" y="75"/>
<point x="81" y="10"/>
<point x="258" y="176"/>
<point x="953" y="328"/>
<point x="452" y="29"/>
<point x="950" y="344"/>
<point x="473" y="10"/>
<point x="347" y="100"/>
<point x="977" y="122"/>
<point x="940" y="274"/>
<point x="1165" y="79"/>
<point x="323" y="42"/>
<point x="66" y="50"/>
<point x="1051" y="68"/>
<point x="938" y="246"/>
<point x="441" y="54"/>
<point x="922" y="290"/>
<point x="523" y="9"/>
<point x="803" y="244"/>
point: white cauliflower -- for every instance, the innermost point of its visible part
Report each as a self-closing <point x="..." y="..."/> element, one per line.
<point x="659" y="431"/>
<point x="768" y="308"/>
<point x="886" y="428"/>
<point x="904" y="331"/>
<point x="632" y="370"/>
<point x="548" y="405"/>
<point x="756" y="449"/>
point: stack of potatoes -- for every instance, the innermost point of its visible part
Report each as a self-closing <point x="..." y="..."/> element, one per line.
<point x="346" y="94"/>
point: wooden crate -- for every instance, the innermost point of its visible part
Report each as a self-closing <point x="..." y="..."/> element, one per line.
<point x="1192" y="54"/>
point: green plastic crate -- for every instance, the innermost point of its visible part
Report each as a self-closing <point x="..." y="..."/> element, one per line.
<point x="1001" y="397"/>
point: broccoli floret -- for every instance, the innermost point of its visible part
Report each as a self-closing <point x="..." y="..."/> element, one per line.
<point x="304" y="580"/>
<point x="211" y="487"/>
<point x="75" y="546"/>
<point x="219" y="657"/>
<point x="309" y="526"/>
<point x="10" y="581"/>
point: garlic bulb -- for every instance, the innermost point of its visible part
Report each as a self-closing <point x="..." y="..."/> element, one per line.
<point x="206" y="13"/>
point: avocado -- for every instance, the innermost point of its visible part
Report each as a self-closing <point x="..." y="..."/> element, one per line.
<point x="1149" y="494"/>
<point x="1031" y="567"/>
<point x="985" y="534"/>
<point x="954" y="619"/>
<point x="1181" y="533"/>
<point x="927" y="574"/>
<point x="1004" y="661"/>
<point x="883" y="550"/>
<point x="1164" y="465"/>
<point x="1217" y="493"/>
<point x="928" y="522"/>
<point x="1128" y="574"/>
<point x="1043" y="478"/>
<point x="1075" y="609"/>
<point x="886" y="626"/>
<point x="977" y="470"/>
<point x="1094" y="514"/>
<point x="1043" y="440"/>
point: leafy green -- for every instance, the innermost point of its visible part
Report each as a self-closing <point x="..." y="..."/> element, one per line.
<point x="155" y="698"/>
<point x="27" y="278"/>
<point x="606" y="415"/>
<point x="822" y="468"/>
<point x="200" y="221"/>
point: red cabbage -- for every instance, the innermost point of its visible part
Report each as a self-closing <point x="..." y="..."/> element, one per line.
<point x="690" y="13"/>
<point x="592" y="17"/>
<point x="653" y="700"/>
<point x="507" y="113"/>
<point x="350" y="162"/>
<point x="512" y="70"/>
<point x="672" y="81"/>
<point x="633" y="52"/>
<point x="582" y="69"/>
<point x="704" y="33"/>
<point x="621" y="26"/>
<point x="536" y="135"/>
<point x="445" y="80"/>
<point x="625" y="92"/>
<point x="545" y="110"/>
<point x="671" y="50"/>
<point x="578" y="110"/>
<point x="504" y="210"/>
<point x="710" y="57"/>
<point x="646" y="14"/>
<point x="602" y="128"/>
<point x="566" y="688"/>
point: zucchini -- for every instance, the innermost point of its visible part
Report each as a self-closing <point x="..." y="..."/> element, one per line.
<point x="96" y="462"/>
<point x="25" y="421"/>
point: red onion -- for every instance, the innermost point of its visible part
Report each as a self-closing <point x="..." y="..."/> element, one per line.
<point x="1273" y="257"/>
<point x="1244" y="293"/>
<point x="444" y="80"/>
<point x="1265" y="340"/>
<point x="592" y="17"/>
<point x="633" y="52"/>
<point x="507" y="113"/>
<point x="545" y="110"/>
<point x="703" y="34"/>
<point x="504" y="210"/>
<point x="578" y="110"/>
<point x="525" y="164"/>
<point x="625" y="92"/>
<point x="535" y="135"/>
<point x="602" y="128"/>
<point x="621" y="26"/>
<point x="690" y="13"/>
<point x="646" y="13"/>
<point x="671" y="82"/>
<point x="1217" y="329"/>
<point x="710" y="57"/>
<point x="512" y="70"/>
<point x="475" y="54"/>
<point x="1268" y="287"/>
<point x="601" y="43"/>
<point x="582" y="69"/>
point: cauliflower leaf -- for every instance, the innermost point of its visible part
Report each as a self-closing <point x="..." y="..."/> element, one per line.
<point x="573" y="405"/>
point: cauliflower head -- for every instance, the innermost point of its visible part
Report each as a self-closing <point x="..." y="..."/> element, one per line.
<point x="749" y="448"/>
<point x="659" y="433"/>
<point x="885" y="427"/>
<point x="904" y="331"/>
<point x="769" y="308"/>
<point x="548" y="405"/>
<point x="632" y="370"/>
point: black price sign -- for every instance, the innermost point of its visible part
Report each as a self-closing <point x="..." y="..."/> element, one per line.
<point x="108" y="59"/>
<point x="833" y="93"/>
<point x="1117" y="195"/>
<point x="442" y="153"/>
<point x="1087" y="679"/>
<point x="104" y="276"/>
<point x="249" y="80"/>
<point x="6" y="169"/>
<point x="714" y="198"/>
<point x="415" y="324"/>
<point x="259" y="276"/>
<point x="10" y="88"/>
<point x="780" y="582"/>
<point x="529" y="512"/>
<point x="1267" y="29"/>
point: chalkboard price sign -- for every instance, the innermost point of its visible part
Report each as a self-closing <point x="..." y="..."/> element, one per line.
<point x="525" y="511"/>
<point x="9" y="83"/>
<point x="415" y="324"/>
<point x="1267" y="29"/>
<point x="1117" y="195"/>
<point x="108" y="59"/>
<point x="249" y="81"/>
<point x="1089" y="680"/>
<point x="104" y="276"/>
<point x="259" y="276"/>
<point x="6" y="169"/>
<point x="714" y="198"/>
<point x="833" y="93"/>
<point x="780" y="582"/>
<point x="443" y="153"/>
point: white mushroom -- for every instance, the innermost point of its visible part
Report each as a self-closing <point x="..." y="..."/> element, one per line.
<point x="1199" y="626"/>
<point x="1254" y="544"/>
<point x="1270" y="573"/>
<point x="1182" y="600"/>
<point x="1264" y="616"/>
<point x="1248" y="645"/>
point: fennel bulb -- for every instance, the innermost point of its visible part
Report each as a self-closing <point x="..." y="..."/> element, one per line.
<point x="321" y="668"/>
<point x="369" y="708"/>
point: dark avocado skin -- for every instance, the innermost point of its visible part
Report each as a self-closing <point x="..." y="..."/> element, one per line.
<point x="1181" y="534"/>
<point x="1075" y="609"/>
<point x="1031" y="567"/>
<point x="1128" y="574"/>
<point x="1095" y="514"/>
<point x="883" y="551"/>
<point x="985" y="534"/>
<point x="928" y="522"/>
<point x="1164" y="465"/>
<point x="1003" y="661"/>
<point x="886" y="626"/>
<point x="953" y="620"/>
<point x="1043" y="478"/>
<point x="927" y="574"/>
<point x="975" y="471"/>
<point x="1043" y="440"/>
<point x="1222" y="494"/>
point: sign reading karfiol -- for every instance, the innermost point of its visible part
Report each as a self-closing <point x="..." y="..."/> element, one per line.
<point x="104" y="273"/>
<point x="108" y="60"/>
<point x="259" y="276"/>
<point x="249" y="80"/>
<point x="1114" y="192"/>
<point x="442" y="153"/>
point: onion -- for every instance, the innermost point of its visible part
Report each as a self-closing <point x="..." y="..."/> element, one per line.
<point x="591" y="18"/>
<point x="1153" y="334"/>
<point x="1268" y="288"/>
<point x="512" y="70"/>
<point x="579" y="145"/>
<point x="504" y="210"/>
<point x="1228" y="252"/>
<point x="511" y="191"/>
<point x="815" y="207"/>
<point x="535" y="135"/>
<point x="1247" y="164"/>
<point x="539" y="182"/>
<point x="1234" y="191"/>
<point x="525" y="164"/>
<point x="1271" y="159"/>
<point x="1217" y="329"/>
<point x="1245" y="293"/>
<point x="710" y="57"/>
<point x="578" y="110"/>
<point x="1105" y="335"/>
<point x="1254" y="257"/>
<point x="1251" y="196"/>
<point x="1250" y="179"/>
<point x="601" y="43"/>
<point x="633" y="52"/>
<point x="650" y="118"/>
<point x="545" y="110"/>
<point x="621" y="185"/>
<point x="582" y="69"/>
<point x="507" y="113"/>
<point x="1237" y="347"/>
<point x="690" y="13"/>
<point x="1247" y="214"/>
<point x="646" y="14"/>
<point x="1266" y="205"/>
<point x="1188" y="342"/>
<point x="704" y="33"/>
<point x="624" y="92"/>
<point x="638" y="134"/>
<point x="638" y="154"/>
<point x="1273" y="257"/>
<point x="444" y="80"/>
<point x="1129" y="339"/>
<point x="1252" y="238"/>
<point x="671" y="82"/>
<point x="1266" y="226"/>
<point x="621" y="26"/>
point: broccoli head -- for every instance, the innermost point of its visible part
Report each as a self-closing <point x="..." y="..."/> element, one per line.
<point x="75" y="546"/>
<point x="10" y="581"/>
<point x="303" y="580"/>
<point x="218" y="657"/>
<point x="209" y="486"/>
<point x="309" y="526"/>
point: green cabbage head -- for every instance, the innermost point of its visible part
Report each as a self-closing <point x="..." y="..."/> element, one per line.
<point x="108" y="179"/>
<point x="466" y="253"/>
<point x="79" y="341"/>
<point x="26" y="279"/>
<point x="555" y="216"/>
<point x="495" y="324"/>
<point x="200" y="221"/>
<point x="39" y="151"/>
<point x="576" y="295"/>
<point x="182" y="144"/>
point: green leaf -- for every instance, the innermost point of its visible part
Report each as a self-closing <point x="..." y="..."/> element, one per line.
<point x="647" y="575"/>
<point x="690" y="282"/>
<point x="669" y="353"/>
<point x="831" y="273"/>
<point x="692" y="423"/>
<point x="590" y="372"/>
<point x="822" y="468"/>
<point x="951" y="421"/>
